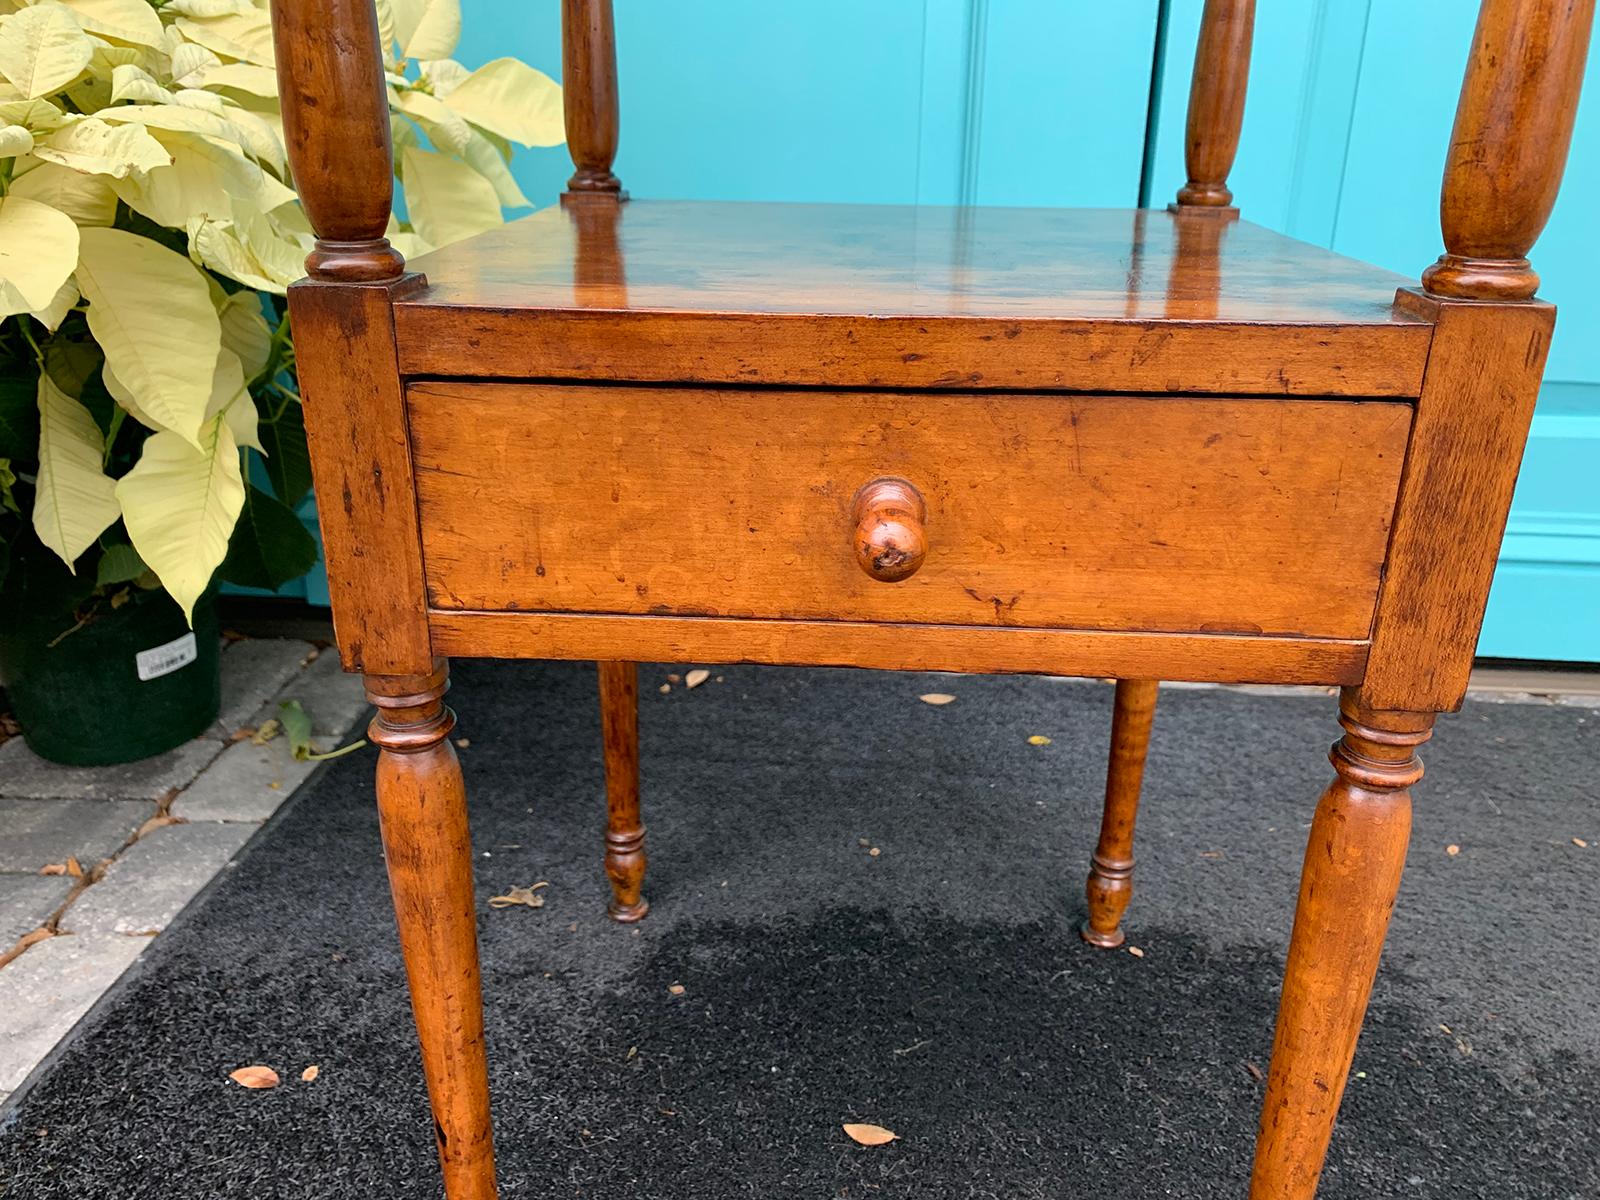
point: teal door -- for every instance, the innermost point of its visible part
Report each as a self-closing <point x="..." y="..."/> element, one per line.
<point x="882" y="101"/>
<point x="1345" y="133"/>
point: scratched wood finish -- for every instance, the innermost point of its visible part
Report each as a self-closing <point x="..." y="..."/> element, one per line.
<point x="619" y="727"/>
<point x="1198" y="657"/>
<point x="422" y="812"/>
<point x="1216" y="102"/>
<point x="878" y="295"/>
<point x="1110" y="512"/>
<point x="1110" y="885"/>
<point x="1509" y="145"/>
<point x="361" y="465"/>
<point x="1471" y="425"/>
<point x="1354" y="856"/>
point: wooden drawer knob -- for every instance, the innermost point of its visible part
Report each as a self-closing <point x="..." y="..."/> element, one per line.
<point x="890" y="540"/>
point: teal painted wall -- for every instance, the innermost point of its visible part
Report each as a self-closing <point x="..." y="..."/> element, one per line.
<point x="887" y="101"/>
<point x="1345" y="134"/>
<point x="1082" y="102"/>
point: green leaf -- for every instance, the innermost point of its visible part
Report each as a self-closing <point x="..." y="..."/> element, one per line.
<point x="71" y="363"/>
<point x="512" y="99"/>
<point x="8" y="498"/>
<point x="74" y="499"/>
<point x="119" y="563"/>
<point x="270" y="546"/>
<point x="151" y="312"/>
<point x="19" y="410"/>
<point x="288" y="461"/>
<point x="179" y="504"/>
<point x="42" y="49"/>
<point x="296" y="724"/>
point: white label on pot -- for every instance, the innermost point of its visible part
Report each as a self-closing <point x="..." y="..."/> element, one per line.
<point x="164" y="660"/>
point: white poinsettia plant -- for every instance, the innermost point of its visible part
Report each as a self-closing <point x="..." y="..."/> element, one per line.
<point x="150" y="427"/>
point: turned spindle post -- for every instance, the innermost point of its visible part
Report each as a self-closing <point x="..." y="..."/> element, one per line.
<point x="589" y="94"/>
<point x="619" y="727"/>
<point x="1508" y="149"/>
<point x="1110" y="885"/>
<point x="422" y="810"/>
<point x="336" y="129"/>
<point x="1216" y="104"/>
<point x="1354" y="856"/>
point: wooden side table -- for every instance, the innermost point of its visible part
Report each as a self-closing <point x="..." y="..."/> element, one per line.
<point x="1149" y="445"/>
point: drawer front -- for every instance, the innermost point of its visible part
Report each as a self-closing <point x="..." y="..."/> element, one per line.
<point x="1084" y="512"/>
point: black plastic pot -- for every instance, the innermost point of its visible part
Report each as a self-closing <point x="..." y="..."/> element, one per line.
<point x="131" y="682"/>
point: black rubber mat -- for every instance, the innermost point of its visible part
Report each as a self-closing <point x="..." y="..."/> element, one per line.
<point x="936" y="988"/>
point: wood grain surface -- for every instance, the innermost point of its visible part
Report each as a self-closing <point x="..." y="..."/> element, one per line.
<point x="1471" y="425"/>
<point x="879" y="295"/>
<point x="1186" y="515"/>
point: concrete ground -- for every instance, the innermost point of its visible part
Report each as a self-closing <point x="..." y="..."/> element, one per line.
<point x="96" y="861"/>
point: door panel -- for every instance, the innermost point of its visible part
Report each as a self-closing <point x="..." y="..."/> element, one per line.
<point x="1346" y="129"/>
<point x="893" y="101"/>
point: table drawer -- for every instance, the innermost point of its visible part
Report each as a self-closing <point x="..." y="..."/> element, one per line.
<point x="1046" y="511"/>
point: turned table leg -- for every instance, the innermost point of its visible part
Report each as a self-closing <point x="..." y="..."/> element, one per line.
<point x="422" y="807"/>
<point x="619" y="723"/>
<point x="1110" y="884"/>
<point x="1354" y="857"/>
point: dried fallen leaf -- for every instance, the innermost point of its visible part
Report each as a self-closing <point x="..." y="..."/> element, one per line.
<point x="521" y="895"/>
<point x="1580" y="843"/>
<point x="676" y="989"/>
<point x="936" y="698"/>
<point x="243" y="732"/>
<point x="1135" y="951"/>
<point x="310" y="1073"/>
<point x="53" y="869"/>
<point x="869" y="1135"/>
<point x="1452" y="849"/>
<point x="254" y="1077"/>
<point x="1038" y="739"/>
<point x="696" y="677"/>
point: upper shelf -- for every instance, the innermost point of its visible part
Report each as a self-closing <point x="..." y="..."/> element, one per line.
<point x="870" y="295"/>
<point x="890" y="260"/>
